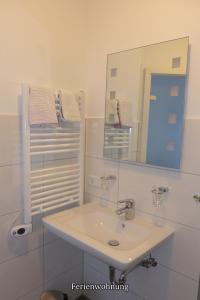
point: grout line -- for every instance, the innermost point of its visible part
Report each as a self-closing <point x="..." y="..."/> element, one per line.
<point x="169" y="220"/>
<point x="104" y="274"/>
<point x="165" y="267"/>
<point x="65" y="271"/>
<point x="51" y="241"/>
<point x="179" y="273"/>
<point x="97" y="270"/>
<point x="12" y="213"/>
<point x="136" y="164"/>
<point x="101" y="198"/>
<point x="36" y="289"/>
<point x="178" y="172"/>
<point x="11" y="164"/>
<point x="42" y="286"/>
<point x="20" y="255"/>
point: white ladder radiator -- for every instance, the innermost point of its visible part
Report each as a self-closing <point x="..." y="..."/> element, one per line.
<point x="52" y="163"/>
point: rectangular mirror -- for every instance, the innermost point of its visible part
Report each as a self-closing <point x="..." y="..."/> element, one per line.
<point x="145" y="98"/>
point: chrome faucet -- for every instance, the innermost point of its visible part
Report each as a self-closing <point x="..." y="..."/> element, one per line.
<point x="128" y="209"/>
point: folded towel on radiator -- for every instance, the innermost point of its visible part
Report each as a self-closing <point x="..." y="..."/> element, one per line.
<point x="112" y="112"/>
<point x="119" y="113"/>
<point x="42" y="106"/>
<point x="70" y="106"/>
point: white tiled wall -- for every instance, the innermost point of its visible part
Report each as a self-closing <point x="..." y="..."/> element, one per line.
<point x="176" y="277"/>
<point x="37" y="261"/>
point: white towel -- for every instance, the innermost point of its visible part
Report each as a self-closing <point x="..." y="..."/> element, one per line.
<point x="70" y="106"/>
<point x="42" y="106"/>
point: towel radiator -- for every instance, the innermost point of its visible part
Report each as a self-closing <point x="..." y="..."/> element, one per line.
<point x="48" y="184"/>
<point x="117" y="142"/>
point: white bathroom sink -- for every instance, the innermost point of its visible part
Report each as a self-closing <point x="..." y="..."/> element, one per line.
<point x="91" y="227"/>
<point x="103" y="226"/>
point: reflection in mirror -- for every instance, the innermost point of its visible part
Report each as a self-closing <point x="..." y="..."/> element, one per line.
<point x="145" y="98"/>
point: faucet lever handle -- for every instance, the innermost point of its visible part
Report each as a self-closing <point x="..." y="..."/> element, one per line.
<point x="129" y="202"/>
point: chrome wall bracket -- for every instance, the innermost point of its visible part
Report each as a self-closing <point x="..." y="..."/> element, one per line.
<point x="197" y="198"/>
<point x="112" y="276"/>
<point x="149" y="262"/>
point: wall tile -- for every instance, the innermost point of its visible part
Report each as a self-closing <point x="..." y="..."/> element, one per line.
<point x="49" y="236"/>
<point x="98" y="168"/>
<point x="11" y="199"/>
<point x="181" y="252"/>
<point x="92" y="198"/>
<point x="127" y="296"/>
<point x="91" y="276"/>
<point x="94" y="137"/>
<point x="179" y="205"/>
<point x="150" y="284"/>
<point x="191" y="147"/>
<point x="93" y="266"/>
<point x="63" y="282"/>
<point x="162" y="283"/>
<point x="59" y="257"/>
<point x="21" y="275"/>
<point x="33" y="295"/>
<point x="12" y="247"/>
<point x="95" y="263"/>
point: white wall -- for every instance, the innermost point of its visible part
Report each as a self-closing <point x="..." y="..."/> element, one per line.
<point x="42" y="42"/>
<point x="119" y="25"/>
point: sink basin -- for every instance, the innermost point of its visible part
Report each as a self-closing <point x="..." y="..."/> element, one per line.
<point x="99" y="231"/>
<point x="106" y="227"/>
